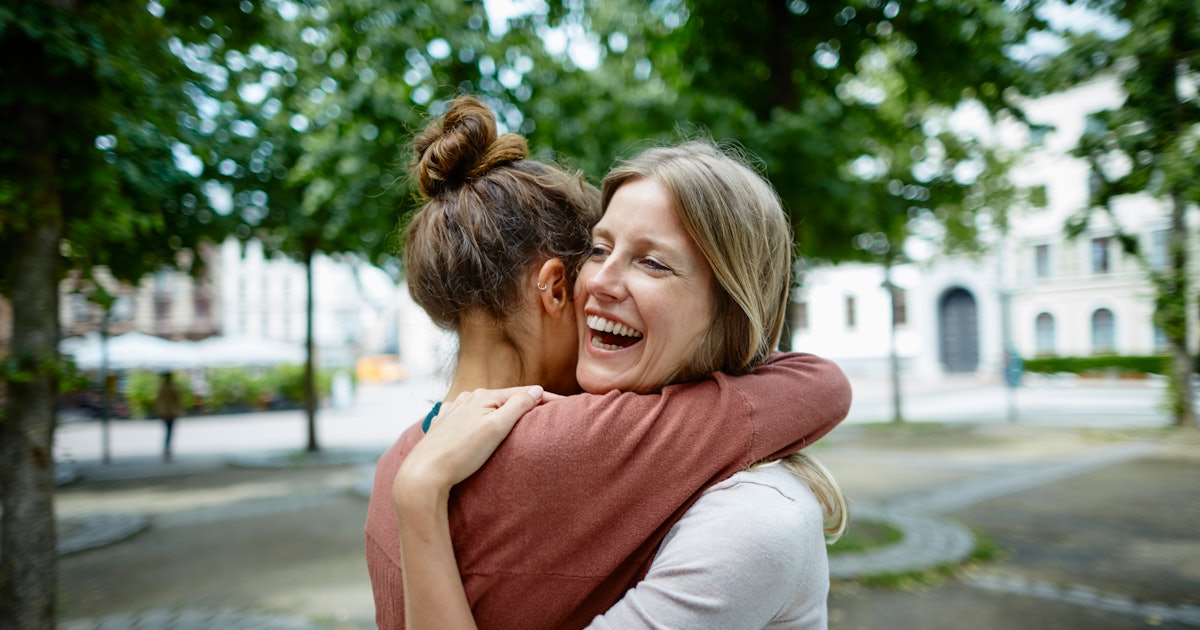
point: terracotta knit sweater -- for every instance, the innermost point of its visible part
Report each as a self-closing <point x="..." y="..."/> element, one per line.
<point x="567" y="514"/>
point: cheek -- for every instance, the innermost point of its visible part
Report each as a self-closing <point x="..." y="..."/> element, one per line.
<point x="581" y="280"/>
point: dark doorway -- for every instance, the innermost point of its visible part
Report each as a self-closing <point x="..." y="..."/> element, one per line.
<point x="958" y="331"/>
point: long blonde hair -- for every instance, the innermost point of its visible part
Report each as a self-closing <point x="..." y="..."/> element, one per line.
<point x="736" y="219"/>
<point x="829" y="494"/>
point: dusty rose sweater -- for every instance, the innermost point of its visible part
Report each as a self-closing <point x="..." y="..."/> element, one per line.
<point x="567" y="514"/>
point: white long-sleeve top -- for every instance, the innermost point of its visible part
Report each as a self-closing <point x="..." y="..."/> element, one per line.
<point x="750" y="553"/>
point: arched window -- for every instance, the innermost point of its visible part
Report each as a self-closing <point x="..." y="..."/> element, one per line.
<point x="1104" y="333"/>
<point x="1044" y="327"/>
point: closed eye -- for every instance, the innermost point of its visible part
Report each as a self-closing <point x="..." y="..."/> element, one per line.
<point x="655" y="265"/>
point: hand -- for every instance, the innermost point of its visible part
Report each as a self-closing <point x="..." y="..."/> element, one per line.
<point x="462" y="437"/>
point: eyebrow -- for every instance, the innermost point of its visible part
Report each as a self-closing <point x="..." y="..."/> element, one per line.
<point x="676" y="254"/>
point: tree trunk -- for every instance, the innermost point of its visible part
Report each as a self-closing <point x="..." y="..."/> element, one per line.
<point x="779" y="58"/>
<point x="28" y="541"/>
<point x="310" y="393"/>
<point x="1183" y="406"/>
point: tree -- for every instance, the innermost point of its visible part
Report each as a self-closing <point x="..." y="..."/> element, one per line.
<point x="89" y="177"/>
<point x="325" y="105"/>
<point x="1147" y="146"/>
<point x="845" y="105"/>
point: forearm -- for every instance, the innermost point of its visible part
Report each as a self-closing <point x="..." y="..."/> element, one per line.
<point x="433" y="591"/>
<point x="459" y="441"/>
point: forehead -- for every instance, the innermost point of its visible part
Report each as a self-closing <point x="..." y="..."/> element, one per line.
<point x="644" y="206"/>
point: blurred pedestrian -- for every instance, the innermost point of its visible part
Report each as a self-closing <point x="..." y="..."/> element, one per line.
<point x="168" y="406"/>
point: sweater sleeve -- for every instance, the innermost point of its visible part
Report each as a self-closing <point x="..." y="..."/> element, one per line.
<point x="568" y="512"/>
<point x="585" y="488"/>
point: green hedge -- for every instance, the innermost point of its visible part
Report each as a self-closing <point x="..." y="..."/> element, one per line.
<point x="1154" y="364"/>
<point x="229" y="389"/>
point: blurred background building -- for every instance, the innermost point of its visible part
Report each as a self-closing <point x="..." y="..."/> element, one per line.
<point x="1035" y="291"/>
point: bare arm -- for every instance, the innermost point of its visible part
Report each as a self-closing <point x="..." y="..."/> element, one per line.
<point x="460" y="440"/>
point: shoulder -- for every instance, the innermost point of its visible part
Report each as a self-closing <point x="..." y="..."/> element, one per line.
<point x="749" y="553"/>
<point x="773" y="506"/>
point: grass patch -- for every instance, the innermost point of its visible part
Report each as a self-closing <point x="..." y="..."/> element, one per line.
<point x="985" y="550"/>
<point x="1165" y="434"/>
<point x="862" y="535"/>
<point x="917" y="428"/>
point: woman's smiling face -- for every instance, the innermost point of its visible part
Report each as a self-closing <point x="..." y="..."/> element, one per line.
<point x="644" y="297"/>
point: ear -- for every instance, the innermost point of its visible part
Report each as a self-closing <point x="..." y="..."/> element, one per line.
<point x="556" y="296"/>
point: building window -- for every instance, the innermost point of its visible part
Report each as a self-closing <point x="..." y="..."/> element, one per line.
<point x="1094" y="184"/>
<point x="201" y="302"/>
<point x="1160" y="340"/>
<point x="81" y="308"/>
<point x="1039" y="197"/>
<point x="1160" y="256"/>
<point x="1037" y="135"/>
<point x="1101" y="261"/>
<point x="1044" y="338"/>
<point x="123" y="308"/>
<point x="899" y="307"/>
<point x="1041" y="261"/>
<point x="800" y="315"/>
<point x="162" y="295"/>
<point x="1104" y="332"/>
<point x="851" y="315"/>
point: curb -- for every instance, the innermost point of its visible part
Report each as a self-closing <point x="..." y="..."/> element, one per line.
<point x="928" y="542"/>
<point x="81" y="533"/>
<point x="191" y="619"/>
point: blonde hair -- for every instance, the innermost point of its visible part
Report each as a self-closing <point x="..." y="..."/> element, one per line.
<point x="737" y="221"/>
<point x="829" y="494"/>
<point x="489" y="214"/>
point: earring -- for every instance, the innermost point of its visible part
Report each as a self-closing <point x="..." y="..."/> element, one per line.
<point x="541" y="287"/>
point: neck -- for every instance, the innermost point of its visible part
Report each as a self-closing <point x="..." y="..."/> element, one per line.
<point x="485" y="360"/>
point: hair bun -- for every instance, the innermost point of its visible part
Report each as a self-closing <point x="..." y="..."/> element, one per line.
<point x="462" y="146"/>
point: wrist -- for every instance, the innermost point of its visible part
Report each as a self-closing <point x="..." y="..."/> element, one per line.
<point x="417" y="490"/>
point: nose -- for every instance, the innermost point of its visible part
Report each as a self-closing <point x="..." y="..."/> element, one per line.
<point x="603" y="279"/>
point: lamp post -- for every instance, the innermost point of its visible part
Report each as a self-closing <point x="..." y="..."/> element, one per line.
<point x="893" y="355"/>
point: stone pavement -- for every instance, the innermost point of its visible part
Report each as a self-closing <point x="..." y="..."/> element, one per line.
<point x="267" y="539"/>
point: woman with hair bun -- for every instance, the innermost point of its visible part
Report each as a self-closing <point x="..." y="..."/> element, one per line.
<point x="668" y="314"/>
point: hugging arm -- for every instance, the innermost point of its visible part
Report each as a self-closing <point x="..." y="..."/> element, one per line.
<point x="459" y="442"/>
<point x="633" y="464"/>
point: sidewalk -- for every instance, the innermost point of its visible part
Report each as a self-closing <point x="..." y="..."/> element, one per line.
<point x="1096" y="526"/>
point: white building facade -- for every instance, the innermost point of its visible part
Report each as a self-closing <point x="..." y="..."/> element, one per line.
<point x="1045" y="293"/>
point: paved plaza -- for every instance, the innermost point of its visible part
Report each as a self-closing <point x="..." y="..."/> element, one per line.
<point x="1090" y="506"/>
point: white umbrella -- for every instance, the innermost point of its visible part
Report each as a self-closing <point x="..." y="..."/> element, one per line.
<point x="230" y="351"/>
<point x="132" y="350"/>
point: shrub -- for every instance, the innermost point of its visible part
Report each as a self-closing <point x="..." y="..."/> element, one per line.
<point x="141" y="389"/>
<point x="1153" y="364"/>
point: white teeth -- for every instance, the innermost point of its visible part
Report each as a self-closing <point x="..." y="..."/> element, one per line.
<point x="600" y="324"/>
<point x="604" y="346"/>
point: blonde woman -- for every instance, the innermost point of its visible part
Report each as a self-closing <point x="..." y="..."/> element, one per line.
<point x="570" y="511"/>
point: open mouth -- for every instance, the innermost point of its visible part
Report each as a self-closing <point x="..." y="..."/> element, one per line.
<point x="610" y="335"/>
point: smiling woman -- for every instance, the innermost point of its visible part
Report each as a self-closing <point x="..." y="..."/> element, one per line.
<point x="647" y="294"/>
<point x="589" y="494"/>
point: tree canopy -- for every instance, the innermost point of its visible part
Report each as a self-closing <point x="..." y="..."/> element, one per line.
<point x="1148" y="146"/>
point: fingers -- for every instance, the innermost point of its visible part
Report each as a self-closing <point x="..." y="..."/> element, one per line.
<point x="494" y="399"/>
<point x="463" y="437"/>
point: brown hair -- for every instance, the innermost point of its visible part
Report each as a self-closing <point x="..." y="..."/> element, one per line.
<point x="489" y="215"/>
<point x="737" y="220"/>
